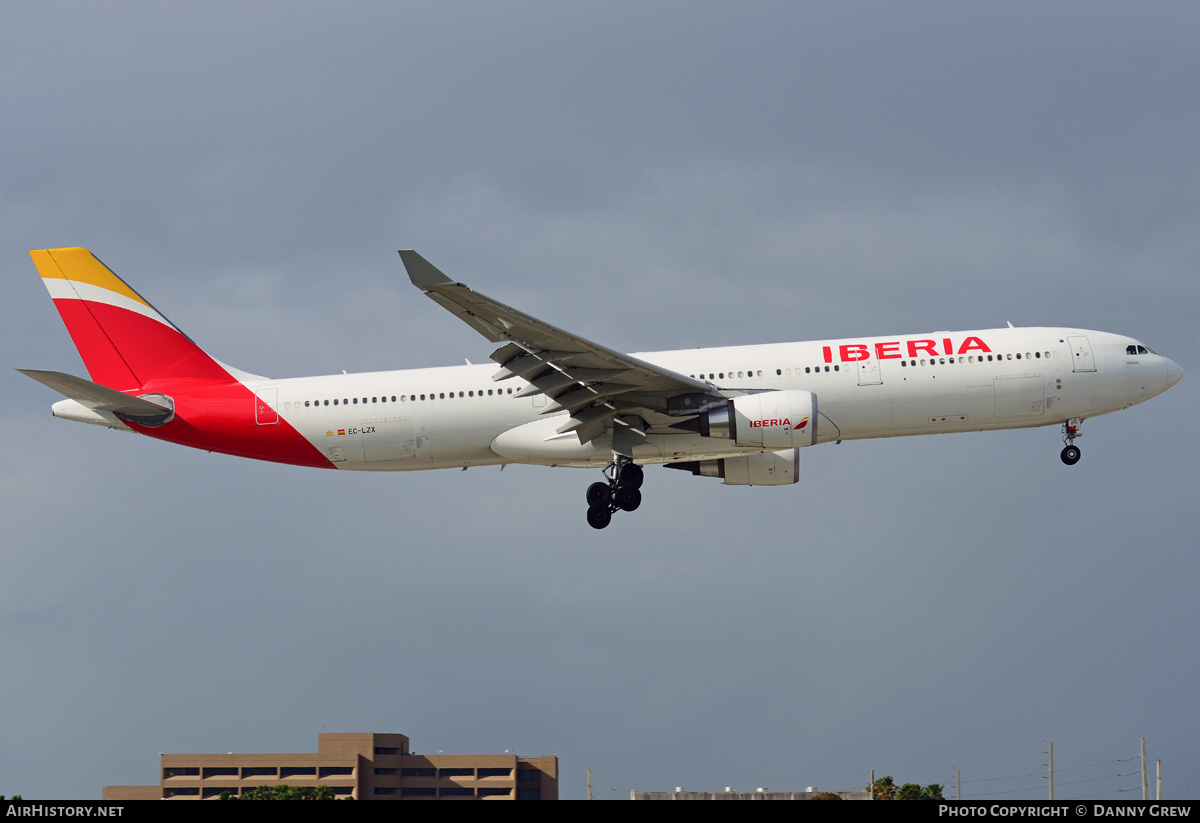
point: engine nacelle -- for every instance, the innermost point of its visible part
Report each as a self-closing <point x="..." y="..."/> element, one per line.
<point x="771" y="420"/>
<point x="780" y="468"/>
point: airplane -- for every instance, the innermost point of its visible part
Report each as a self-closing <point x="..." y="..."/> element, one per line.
<point x="553" y="398"/>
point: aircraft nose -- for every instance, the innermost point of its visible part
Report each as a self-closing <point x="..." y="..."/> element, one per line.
<point x="1174" y="371"/>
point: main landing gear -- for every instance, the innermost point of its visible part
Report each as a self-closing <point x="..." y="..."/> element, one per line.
<point x="1070" y="453"/>
<point x="622" y="492"/>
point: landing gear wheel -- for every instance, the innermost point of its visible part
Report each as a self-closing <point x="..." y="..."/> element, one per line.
<point x="599" y="518"/>
<point x="1070" y="455"/>
<point x="598" y="495"/>
<point x="620" y="493"/>
<point x="627" y="499"/>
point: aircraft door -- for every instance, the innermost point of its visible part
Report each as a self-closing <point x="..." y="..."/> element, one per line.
<point x="1081" y="354"/>
<point x="868" y="372"/>
<point x="265" y="403"/>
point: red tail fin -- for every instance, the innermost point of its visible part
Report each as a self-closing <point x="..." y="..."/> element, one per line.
<point x="123" y="340"/>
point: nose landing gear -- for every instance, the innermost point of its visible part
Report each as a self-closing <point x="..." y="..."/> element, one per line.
<point x="1070" y="453"/>
<point x="622" y="492"/>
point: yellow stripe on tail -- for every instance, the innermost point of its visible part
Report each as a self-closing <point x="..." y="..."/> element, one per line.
<point x="81" y="266"/>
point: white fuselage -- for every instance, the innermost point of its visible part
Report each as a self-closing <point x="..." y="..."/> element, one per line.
<point x="869" y="387"/>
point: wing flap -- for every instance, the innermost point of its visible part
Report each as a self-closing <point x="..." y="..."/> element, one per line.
<point x="554" y="380"/>
<point x="585" y="395"/>
<point x="521" y="366"/>
<point x="506" y="353"/>
<point x="587" y="417"/>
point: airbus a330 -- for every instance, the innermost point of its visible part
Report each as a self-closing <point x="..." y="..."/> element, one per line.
<point x="739" y="413"/>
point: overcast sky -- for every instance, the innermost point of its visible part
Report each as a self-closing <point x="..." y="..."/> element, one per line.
<point x="652" y="176"/>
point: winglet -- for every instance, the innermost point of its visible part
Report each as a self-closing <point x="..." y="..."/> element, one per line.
<point x="421" y="272"/>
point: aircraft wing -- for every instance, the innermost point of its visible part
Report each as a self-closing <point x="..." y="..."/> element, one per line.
<point x="594" y="383"/>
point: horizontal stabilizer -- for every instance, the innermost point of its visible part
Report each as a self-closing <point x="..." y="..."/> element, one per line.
<point x="99" y="398"/>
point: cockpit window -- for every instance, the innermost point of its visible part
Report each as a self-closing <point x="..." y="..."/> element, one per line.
<point x="1138" y="349"/>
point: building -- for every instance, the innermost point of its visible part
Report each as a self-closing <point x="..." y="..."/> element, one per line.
<point x="730" y="794"/>
<point x="364" y="766"/>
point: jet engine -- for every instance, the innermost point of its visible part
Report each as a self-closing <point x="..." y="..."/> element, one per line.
<point x="781" y="468"/>
<point x="771" y="420"/>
